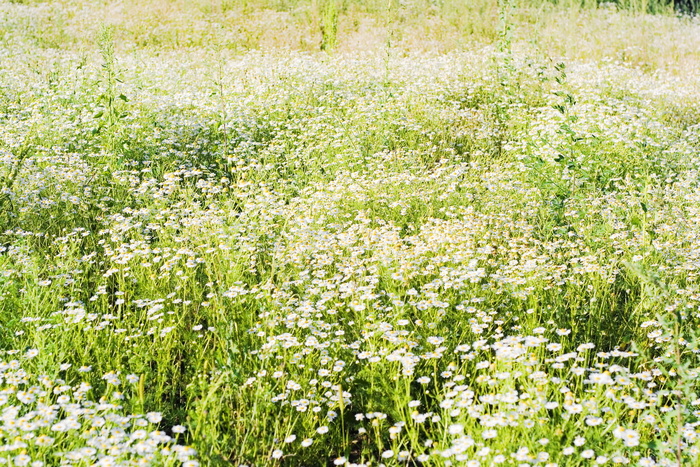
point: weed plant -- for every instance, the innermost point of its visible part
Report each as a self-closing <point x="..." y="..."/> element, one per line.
<point x="448" y="248"/>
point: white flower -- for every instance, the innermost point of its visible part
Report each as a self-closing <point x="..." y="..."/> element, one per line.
<point x="631" y="438"/>
<point x="22" y="460"/>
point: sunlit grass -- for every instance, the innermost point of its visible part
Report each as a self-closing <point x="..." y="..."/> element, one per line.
<point x="458" y="235"/>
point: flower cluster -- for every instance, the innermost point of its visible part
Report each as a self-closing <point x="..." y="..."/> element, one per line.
<point x="46" y="421"/>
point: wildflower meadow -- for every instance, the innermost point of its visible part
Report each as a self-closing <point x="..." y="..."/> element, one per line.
<point x="349" y="233"/>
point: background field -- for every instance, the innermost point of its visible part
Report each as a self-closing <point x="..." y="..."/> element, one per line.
<point x="329" y="233"/>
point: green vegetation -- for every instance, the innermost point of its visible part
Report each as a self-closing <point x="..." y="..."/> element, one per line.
<point x="349" y="233"/>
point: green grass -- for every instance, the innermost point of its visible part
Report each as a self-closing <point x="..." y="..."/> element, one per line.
<point x="457" y="235"/>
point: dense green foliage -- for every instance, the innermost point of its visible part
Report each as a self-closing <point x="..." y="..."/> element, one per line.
<point x="460" y="254"/>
